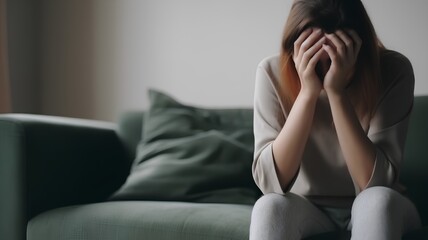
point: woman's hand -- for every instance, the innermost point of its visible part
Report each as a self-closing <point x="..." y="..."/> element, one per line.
<point x="343" y="55"/>
<point x="308" y="49"/>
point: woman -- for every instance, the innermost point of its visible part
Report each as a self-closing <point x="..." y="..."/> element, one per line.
<point x="330" y="120"/>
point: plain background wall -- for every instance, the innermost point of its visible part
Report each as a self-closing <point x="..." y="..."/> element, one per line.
<point x="97" y="58"/>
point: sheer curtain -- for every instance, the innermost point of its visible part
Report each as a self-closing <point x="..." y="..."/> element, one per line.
<point x="5" y="102"/>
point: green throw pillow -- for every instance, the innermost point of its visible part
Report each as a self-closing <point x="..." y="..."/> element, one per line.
<point x="192" y="154"/>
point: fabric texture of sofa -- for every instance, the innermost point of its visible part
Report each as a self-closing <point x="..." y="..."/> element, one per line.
<point x="58" y="176"/>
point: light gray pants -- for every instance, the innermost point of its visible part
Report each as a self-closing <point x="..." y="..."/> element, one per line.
<point x="378" y="213"/>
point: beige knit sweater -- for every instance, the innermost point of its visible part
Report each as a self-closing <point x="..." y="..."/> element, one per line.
<point x="323" y="176"/>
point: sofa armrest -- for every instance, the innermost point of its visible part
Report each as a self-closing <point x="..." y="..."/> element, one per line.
<point x="48" y="162"/>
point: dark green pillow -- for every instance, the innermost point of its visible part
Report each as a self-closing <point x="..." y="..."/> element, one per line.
<point x="192" y="154"/>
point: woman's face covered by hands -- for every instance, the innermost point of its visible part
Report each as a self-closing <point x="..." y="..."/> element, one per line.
<point x="328" y="58"/>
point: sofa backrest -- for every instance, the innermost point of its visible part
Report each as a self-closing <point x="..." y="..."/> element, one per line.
<point x="414" y="171"/>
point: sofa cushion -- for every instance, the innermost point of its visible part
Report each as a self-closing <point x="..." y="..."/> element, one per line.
<point x="192" y="154"/>
<point x="136" y="220"/>
<point x="415" y="165"/>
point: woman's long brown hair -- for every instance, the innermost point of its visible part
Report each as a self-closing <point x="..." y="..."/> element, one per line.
<point x="331" y="15"/>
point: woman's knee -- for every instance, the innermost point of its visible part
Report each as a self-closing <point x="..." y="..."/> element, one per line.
<point x="287" y="216"/>
<point x="271" y="202"/>
<point x="274" y="204"/>
<point x="382" y="210"/>
<point x="376" y="200"/>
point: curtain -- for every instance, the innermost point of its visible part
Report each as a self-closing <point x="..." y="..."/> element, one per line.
<point x="5" y="102"/>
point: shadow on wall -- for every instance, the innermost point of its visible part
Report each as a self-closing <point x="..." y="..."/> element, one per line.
<point x="66" y="52"/>
<point x="21" y="35"/>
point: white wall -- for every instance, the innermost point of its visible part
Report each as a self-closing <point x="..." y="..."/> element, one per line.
<point x="100" y="56"/>
<point x="402" y="26"/>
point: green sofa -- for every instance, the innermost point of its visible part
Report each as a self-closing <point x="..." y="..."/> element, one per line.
<point x="56" y="174"/>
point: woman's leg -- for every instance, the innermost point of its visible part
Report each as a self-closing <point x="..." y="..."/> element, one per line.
<point x="287" y="217"/>
<point x="383" y="214"/>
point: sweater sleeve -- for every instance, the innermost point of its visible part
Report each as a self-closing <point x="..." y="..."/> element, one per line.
<point x="388" y="127"/>
<point x="268" y="122"/>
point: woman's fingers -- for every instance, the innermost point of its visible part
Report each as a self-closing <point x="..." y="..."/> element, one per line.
<point x="309" y="54"/>
<point x="315" y="58"/>
<point x="331" y="53"/>
<point x="343" y="52"/>
<point x="356" y="39"/>
<point x="308" y="40"/>
<point x="338" y="43"/>
<point x="349" y="44"/>
<point x="300" y="40"/>
<point x="307" y="47"/>
<point x="342" y="48"/>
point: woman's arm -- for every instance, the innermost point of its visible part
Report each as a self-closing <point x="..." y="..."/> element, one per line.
<point x="359" y="152"/>
<point x="290" y="144"/>
<point x="373" y="159"/>
<point x="280" y="143"/>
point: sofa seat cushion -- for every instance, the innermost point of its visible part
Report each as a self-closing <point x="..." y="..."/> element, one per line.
<point x="132" y="220"/>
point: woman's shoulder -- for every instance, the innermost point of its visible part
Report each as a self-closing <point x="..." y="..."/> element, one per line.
<point x="271" y="66"/>
<point x="393" y="62"/>
<point x="392" y="56"/>
<point x="269" y="61"/>
<point x="396" y="69"/>
<point x="268" y="81"/>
